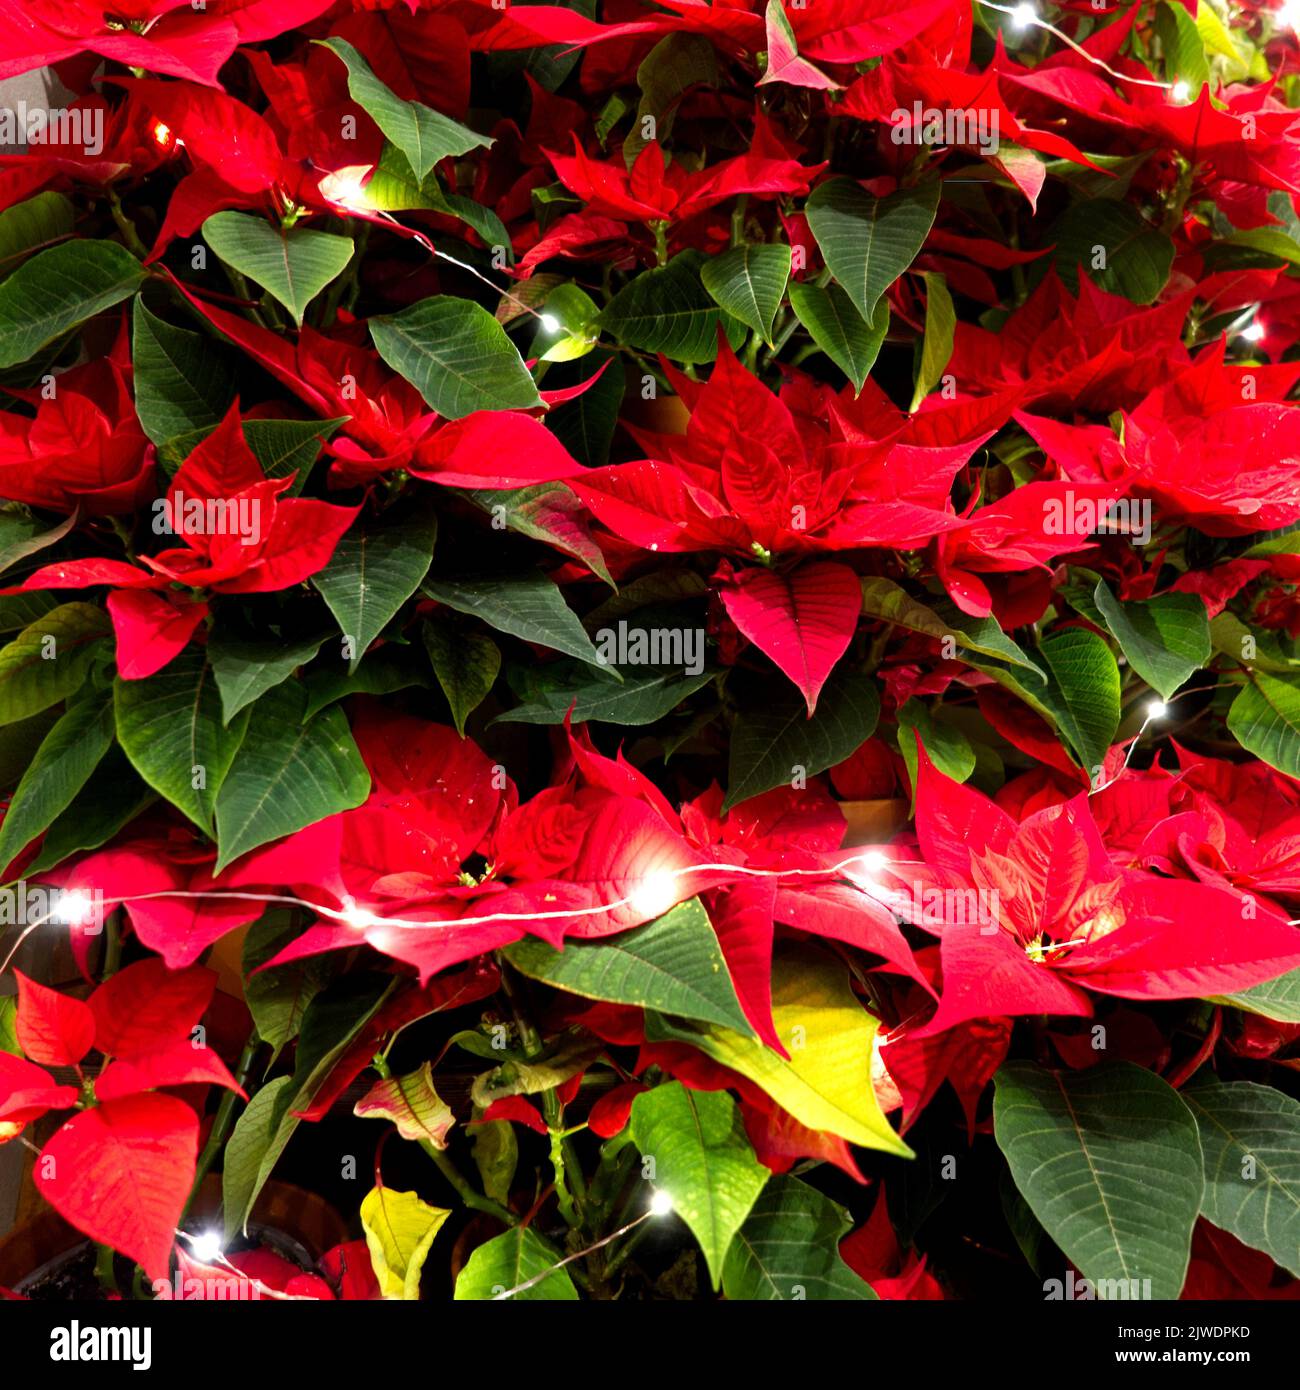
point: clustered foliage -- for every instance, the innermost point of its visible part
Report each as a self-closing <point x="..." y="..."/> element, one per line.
<point x="687" y="604"/>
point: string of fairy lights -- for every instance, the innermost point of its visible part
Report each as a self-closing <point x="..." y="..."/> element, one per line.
<point x="654" y="893"/>
<point x="1026" y="16"/>
<point x="651" y="895"/>
<point x="345" y="189"/>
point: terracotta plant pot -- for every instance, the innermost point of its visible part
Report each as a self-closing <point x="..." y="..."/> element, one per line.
<point x="292" y="1222"/>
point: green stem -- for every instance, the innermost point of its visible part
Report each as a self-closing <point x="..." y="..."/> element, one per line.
<point x="529" y="1037"/>
<point x="126" y="226"/>
<point x="879" y="644"/>
<point x="104" y="1271"/>
<point x="354" y="283"/>
<point x="1178" y="200"/>
<point x="569" y="1186"/>
<point x="738" y="220"/>
<point x="464" y="1191"/>
<point x="1019" y="285"/>
<point x="225" y="1119"/>
<point x="622" y="1251"/>
<point x="782" y="337"/>
<point x="242" y="288"/>
<point x="112" y="946"/>
<point x="123" y="532"/>
<point x="345" y="289"/>
<point x="661" y="242"/>
<point x="749" y="354"/>
<point x="563" y="1196"/>
<point x="612" y="1171"/>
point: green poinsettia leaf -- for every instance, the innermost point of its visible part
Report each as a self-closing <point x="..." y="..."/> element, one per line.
<point x="1250" y="1138"/>
<point x="423" y="135"/>
<point x="1109" y="1160"/>
<point x="674" y="964"/>
<point x="456" y="355"/>
<point x="703" y="1160"/>
<point x="501" y="1268"/>
<point x="788" y="1248"/>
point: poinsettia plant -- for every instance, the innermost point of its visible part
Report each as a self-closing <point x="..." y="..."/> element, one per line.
<point x="665" y="635"/>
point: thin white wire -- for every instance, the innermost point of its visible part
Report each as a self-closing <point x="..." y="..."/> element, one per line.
<point x="362" y="919"/>
<point x="1018" y="13"/>
<point x="568" y="1259"/>
<point x="31" y="927"/>
<point x="356" y="202"/>
<point x="1137" y="737"/>
<point x="420" y="239"/>
<point x="219" y="1261"/>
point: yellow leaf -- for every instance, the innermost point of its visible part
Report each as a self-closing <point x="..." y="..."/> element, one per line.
<point x="399" y="1230"/>
<point x="826" y="1084"/>
<point x="1214" y="34"/>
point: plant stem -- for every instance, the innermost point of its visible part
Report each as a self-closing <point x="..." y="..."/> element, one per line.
<point x="1178" y="201"/>
<point x="612" y="1171"/>
<point x="563" y="1157"/>
<point x="782" y="337"/>
<point x="563" y="1196"/>
<point x="225" y="1119"/>
<point x="104" y="1271"/>
<point x="242" y="288"/>
<point x="354" y="280"/>
<point x="112" y="946"/>
<point x="789" y="321"/>
<point x="528" y="1035"/>
<point x="621" y="1252"/>
<point x="345" y="289"/>
<point x="126" y="226"/>
<point x="749" y="353"/>
<point x="464" y="1191"/>
<point x="570" y="1187"/>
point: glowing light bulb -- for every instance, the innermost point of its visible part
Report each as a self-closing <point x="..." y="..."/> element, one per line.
<point x="863" y="870"/>
<point x="75" y="909"/>
<point x="206" y="1246"/>
<point x="162" y="133"/>
<point x="654" y="894"/>
<point x="661" y="1204"/>
<point x="1157" y="709"/>
<point x="864" y="874"/>
<point x="550" y="323"/>
<point x="1182" y="91"/>
<point x="346" y="187"/>
<point x="1253" y="332"/>
<point x="356" y="917"/>
<point x="1023" y="15"/>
